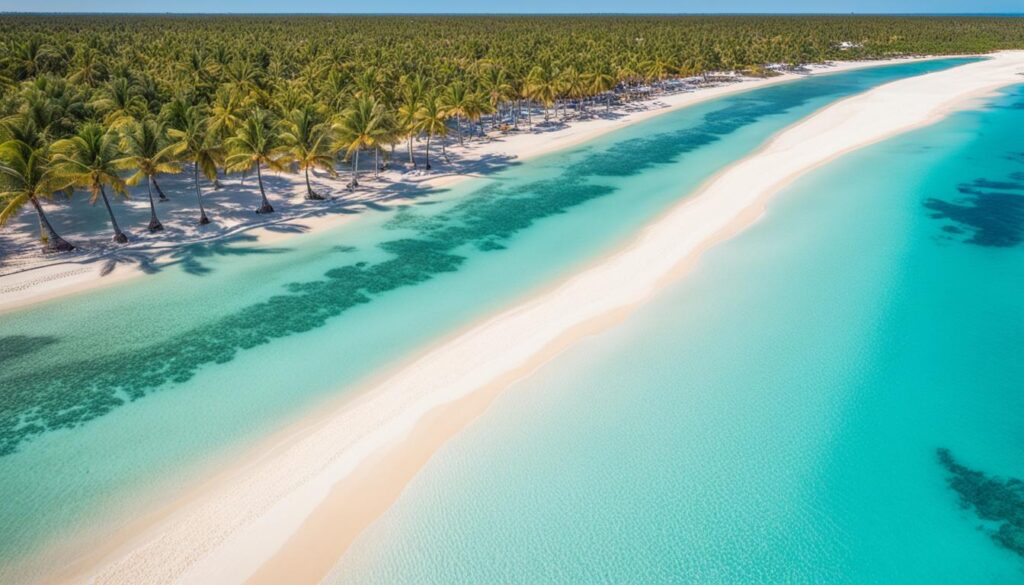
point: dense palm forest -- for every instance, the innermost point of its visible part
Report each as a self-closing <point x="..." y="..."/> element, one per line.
<point x="93" y="104"/>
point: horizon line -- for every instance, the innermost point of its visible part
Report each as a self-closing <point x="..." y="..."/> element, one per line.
<point x="122" y="13"/>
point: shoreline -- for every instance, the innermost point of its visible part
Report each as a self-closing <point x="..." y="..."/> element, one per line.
<point x="469" y="370"/>
<point x="48" y="279"/>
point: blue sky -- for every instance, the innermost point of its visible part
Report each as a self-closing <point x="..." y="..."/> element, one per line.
<point x="529" y="6"/>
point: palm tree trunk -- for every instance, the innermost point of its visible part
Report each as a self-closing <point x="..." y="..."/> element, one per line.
<point x="458" y="128"/>
<point x="119" y="236"/>
<point x="355" y="170"/>
<point x="154" y="223"/>
<point x="412" y="158"/>
<point x="203" y="220"/>
<point x="264" y="204"/>
<point x="444" y="151"/>
<point x="159" y="191"/>
<point x="54" y="243"/>
<point x="376" y="161"/>
<point x="310" y="194"/>
<point x="428" y="150"/>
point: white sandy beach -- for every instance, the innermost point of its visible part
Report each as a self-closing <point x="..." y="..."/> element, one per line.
<point x="27" y="277"/>
<point x="293" y="507"/>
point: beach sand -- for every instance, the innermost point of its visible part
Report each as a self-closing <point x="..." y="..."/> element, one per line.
<point x="289" y="511"/>
<point x="27" y="277"/>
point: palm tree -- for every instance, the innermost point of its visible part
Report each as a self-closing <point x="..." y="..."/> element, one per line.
<point x="457" y="102"/>
<point x="88" y="68"/>
<point x="654" y="71"/>
<point x="226" y="111"/>
<point x="542" y="86"/>
<point x="573" y="85"/>
<point x="119" y="102"/>
<point x="144" y="145"/>
<point x="23" y="179"/>
<point x="601" y="82"/>
<point x="475" y="106"/>
<point x="243" y="76"/>
<point x="412" y="97"/>
<point x="257" y="143"/>
<point x="430" y="119"/>
<point x="193" y="142"/>
<point x="497" y="89"/>
<point x="305" y="141"/>
<point x="87" y="160"/>
<point x="27" y="59"/>
<point x="362" y="125"/>
<point x="390" y="133"/>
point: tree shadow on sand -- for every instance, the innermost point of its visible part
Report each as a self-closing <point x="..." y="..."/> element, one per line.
<point x="424" y="246"/>
<point x="190" y="257"/>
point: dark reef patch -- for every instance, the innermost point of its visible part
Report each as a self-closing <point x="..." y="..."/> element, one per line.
<point x="991" y="212"/>
<point x="17" y="346"/>
<point x="82" y="389"/>
<point x="997" y="501"/>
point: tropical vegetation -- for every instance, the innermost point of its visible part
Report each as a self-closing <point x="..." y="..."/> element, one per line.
<point x="95" y="104"/>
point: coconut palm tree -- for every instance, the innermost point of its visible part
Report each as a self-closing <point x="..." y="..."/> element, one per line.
<point x="430" y="120"/>
<point x="243" y="76"/>
<point x="305" y="140"/>
<point x="119" y="102"/>
<point x="257" y="143"/>
<point x="497" y="89"/>
<point x="144" y="145"/>
<point x="412" y="97"/>
<point x="457" y="103"/>
<point x="88" y="68"/>
<point x="601" y="82"/>
<point x="362" y="125"/>
<point x="23" y="179"/>
<point x="87" y="160"/>
<point x="542" y="86"/>
<point x="28" y="58"/>
<point x="226" y="112"/>
<point x="573" y="86"/>
<point x="475" y="107"/>
<point x="54" y="106"/>
<point x="192" y="141"/>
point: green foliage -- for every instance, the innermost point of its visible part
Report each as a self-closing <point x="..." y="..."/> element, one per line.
<point x="292" y="92"/>
<point x="69" y="69"/>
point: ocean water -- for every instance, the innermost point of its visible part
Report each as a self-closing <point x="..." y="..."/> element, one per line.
<point x="116" y="398"/>
<point x="834" y="396"/>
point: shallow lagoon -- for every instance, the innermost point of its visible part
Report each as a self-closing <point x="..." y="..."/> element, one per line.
<point x="118" y="395"/>
<point x="779" y="415"/>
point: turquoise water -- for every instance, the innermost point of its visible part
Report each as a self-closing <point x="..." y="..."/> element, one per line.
<point x="110" y="395"/>
<point x="776" y="416"/>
